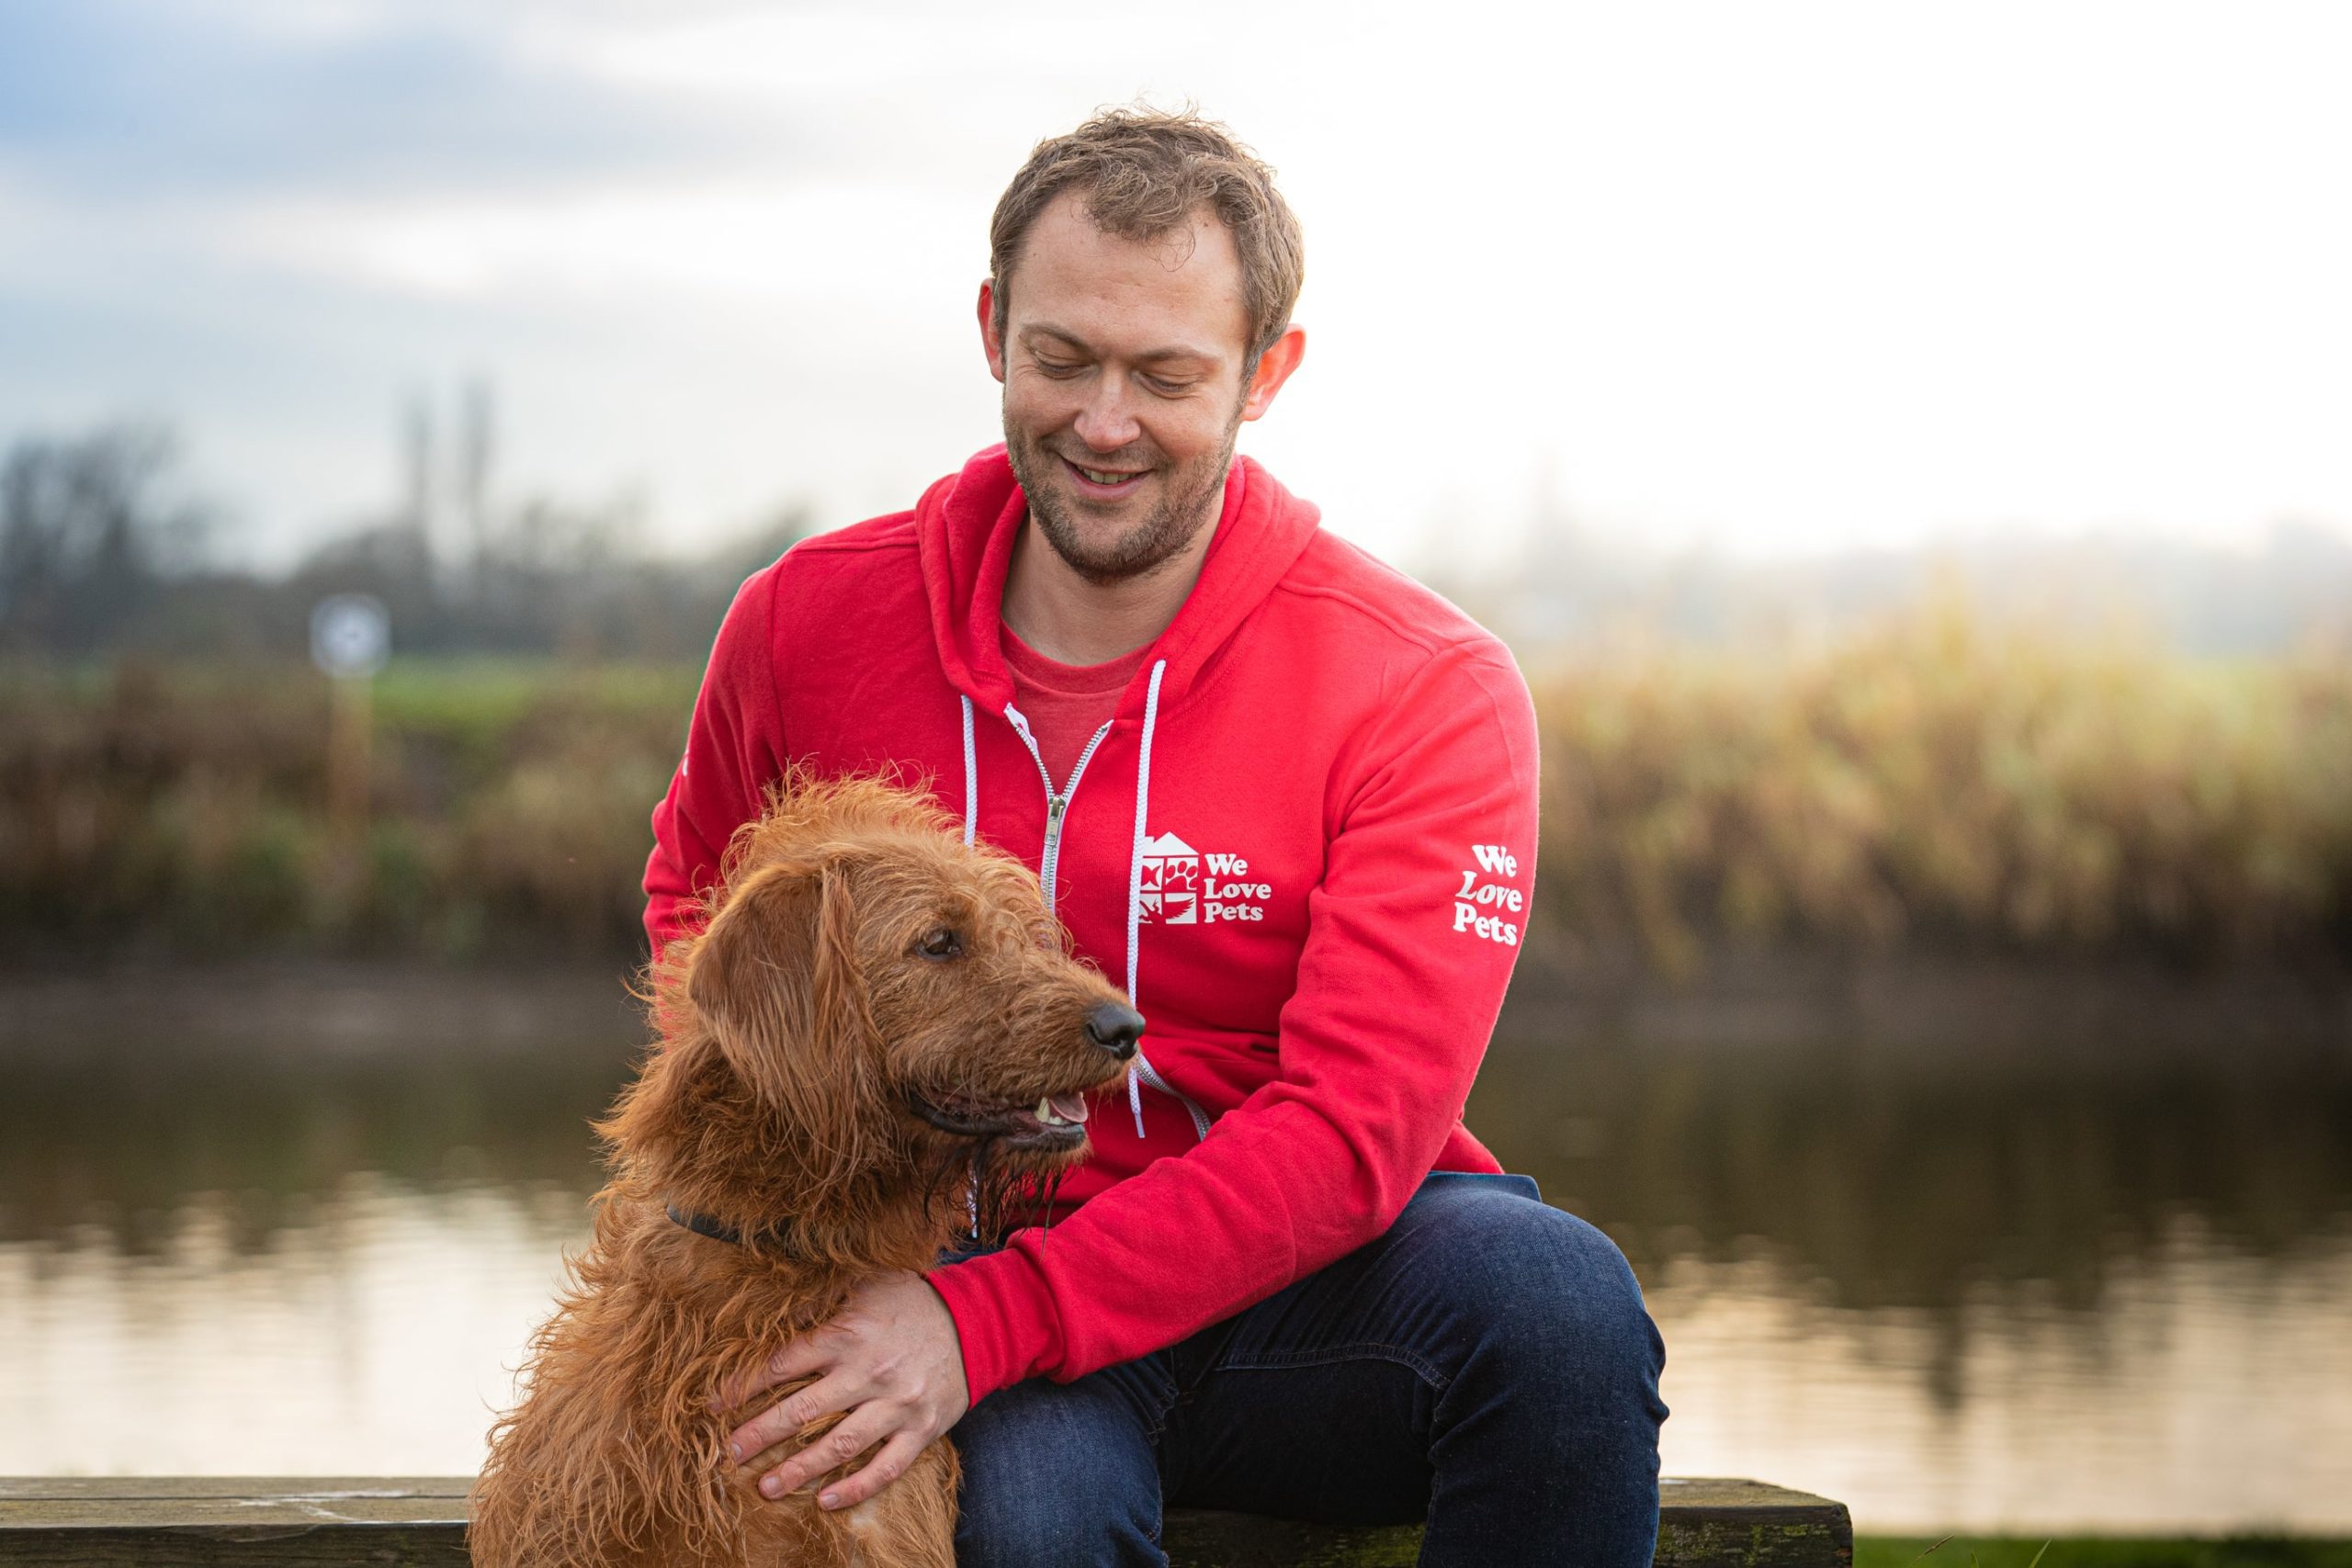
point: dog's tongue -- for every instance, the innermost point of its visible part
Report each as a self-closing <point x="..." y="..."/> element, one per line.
<point x="1069" y="1107"/>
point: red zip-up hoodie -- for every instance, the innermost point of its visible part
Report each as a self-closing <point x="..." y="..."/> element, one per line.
<point x="1305" y="844"/>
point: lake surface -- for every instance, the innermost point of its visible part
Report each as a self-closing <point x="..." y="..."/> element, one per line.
<point x="2082" y="1286"/>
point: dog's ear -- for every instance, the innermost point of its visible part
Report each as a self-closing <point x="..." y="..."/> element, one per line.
<point x="776" y="975"/>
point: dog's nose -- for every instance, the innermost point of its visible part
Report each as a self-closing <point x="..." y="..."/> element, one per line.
<point x="1115" y="1027"/>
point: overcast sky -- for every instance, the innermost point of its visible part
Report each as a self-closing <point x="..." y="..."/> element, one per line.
<point x="1777" y="277"/>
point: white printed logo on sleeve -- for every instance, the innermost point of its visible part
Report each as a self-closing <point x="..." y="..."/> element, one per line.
<point x="1182" y="886"/>
<point x="1486" y="905"/>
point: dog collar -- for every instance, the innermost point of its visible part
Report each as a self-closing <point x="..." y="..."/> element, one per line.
<point x="771" y="1239"/>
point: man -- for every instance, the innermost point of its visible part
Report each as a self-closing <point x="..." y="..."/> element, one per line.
<point x="1289" y="797"/>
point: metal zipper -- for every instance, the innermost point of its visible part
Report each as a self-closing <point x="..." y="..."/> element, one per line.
<point x="1048" y="864"/>
<point x="1057" y="805"/>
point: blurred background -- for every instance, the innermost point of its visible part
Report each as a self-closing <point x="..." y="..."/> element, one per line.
<point x="1909" y="451"/>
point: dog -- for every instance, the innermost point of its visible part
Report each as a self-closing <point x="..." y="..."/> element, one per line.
<point x="877" y="1039"/>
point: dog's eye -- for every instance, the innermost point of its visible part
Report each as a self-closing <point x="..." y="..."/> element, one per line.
<point x="941" y="944"/>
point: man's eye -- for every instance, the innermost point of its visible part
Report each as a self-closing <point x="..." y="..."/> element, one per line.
<point x="1164" y="387"/>
<point x="941" y="944"/>
<point x="1060" y="367"/>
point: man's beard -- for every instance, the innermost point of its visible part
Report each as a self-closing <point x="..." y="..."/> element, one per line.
<point x="1191" y="496"/>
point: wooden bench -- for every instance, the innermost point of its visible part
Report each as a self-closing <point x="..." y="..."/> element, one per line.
<point x="214" y="1520"/>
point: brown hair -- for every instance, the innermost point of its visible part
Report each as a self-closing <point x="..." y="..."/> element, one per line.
<point x="1144" y="173"/>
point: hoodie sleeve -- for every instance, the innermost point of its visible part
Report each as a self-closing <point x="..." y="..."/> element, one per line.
<point x="734" y="748"/>
<point x="1411" y="939"/>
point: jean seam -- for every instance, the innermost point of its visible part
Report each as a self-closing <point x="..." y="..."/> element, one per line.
<point x="1163" y="1405"/>
<point x="1276" y="1360"/>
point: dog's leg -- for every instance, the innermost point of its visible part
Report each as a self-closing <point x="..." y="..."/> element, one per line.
<point x="909" y="1524"/>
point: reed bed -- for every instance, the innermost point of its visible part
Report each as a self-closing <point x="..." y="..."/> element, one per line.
<point x="185" y="809"/>
<point x="1930" y="780"/>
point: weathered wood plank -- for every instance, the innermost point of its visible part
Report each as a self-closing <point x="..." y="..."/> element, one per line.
<point x="1719" y="1523"/>
<point x="392" y="1545"/>
<point x="42" y="1488"/>
<point x="232" y="1521"/>
<point x="1703" y="1523"/>
<point x="229" y="1521"/>
<point x="215" y="1514"/>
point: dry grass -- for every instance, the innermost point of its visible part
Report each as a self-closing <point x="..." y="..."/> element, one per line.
<point x="1928" y="781"/>
<point x="185" y="809"/>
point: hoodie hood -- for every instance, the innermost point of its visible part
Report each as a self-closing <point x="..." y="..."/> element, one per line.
<point x="964" y="529"/>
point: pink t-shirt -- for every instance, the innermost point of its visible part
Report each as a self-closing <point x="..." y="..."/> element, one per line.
<point x="1065" y="704"/>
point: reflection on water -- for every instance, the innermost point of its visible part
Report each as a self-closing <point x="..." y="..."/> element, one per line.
<point x="2209" y="1390"/>
<point x="2036" y="1297"/>
<point x="369" y="1336"/>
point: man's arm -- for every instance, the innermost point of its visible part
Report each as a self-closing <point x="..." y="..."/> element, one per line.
<point x="735" y="748"/>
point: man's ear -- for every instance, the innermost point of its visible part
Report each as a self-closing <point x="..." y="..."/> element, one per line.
<point x="776" y="977"/>
<point x="1275" y="367"/>
<point x="992" y="341"/>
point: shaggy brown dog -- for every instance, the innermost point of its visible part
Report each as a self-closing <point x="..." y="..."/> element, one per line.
<point x="877" y="1026"/>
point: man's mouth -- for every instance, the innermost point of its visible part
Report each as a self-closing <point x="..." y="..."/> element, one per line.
<point x="1104" y="484"/>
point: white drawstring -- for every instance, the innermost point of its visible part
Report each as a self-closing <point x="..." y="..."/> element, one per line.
<point x="971" y="824"/>
<point x="971" y="777"/>
<point x="1135" y="878"/>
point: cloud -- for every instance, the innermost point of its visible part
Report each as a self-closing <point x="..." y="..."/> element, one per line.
<point x="1787" y="277"/>
<point x="119" y="99"/>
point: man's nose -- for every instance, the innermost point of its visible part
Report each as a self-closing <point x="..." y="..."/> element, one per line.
<point x="1107" y="421"/>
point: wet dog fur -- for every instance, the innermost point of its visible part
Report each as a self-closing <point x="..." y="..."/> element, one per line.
<point x="873" y="1012"/>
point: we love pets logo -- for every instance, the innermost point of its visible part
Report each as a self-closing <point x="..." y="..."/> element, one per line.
<point x="1483" y="909"/>
<point x="1182" y="886"/>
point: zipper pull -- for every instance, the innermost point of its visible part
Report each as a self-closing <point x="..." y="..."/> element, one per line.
<point x="1055" y="805"/>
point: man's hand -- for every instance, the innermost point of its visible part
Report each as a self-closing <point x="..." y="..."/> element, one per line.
<point x="890" y="1359"/>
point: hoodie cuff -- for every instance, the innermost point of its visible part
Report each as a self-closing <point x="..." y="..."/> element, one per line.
<point x="1005" y="1321"/>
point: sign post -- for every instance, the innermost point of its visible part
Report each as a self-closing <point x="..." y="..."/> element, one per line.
<point x="351" y="635"/>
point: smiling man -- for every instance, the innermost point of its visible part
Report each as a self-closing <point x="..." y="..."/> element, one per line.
<point x="1288" y="797"/>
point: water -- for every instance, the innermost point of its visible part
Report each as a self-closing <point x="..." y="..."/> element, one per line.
<point x="2025" y="1295"/>
<point x="2017" y="1291"/>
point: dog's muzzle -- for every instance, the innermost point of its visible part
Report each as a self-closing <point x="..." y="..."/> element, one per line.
<point x="1056" y="1122"/>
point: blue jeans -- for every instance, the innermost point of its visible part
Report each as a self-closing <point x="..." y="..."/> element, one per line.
<point x="1487" y="1366"/>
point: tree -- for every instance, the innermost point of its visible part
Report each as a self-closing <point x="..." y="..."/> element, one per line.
<point x="89" y="527"/>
